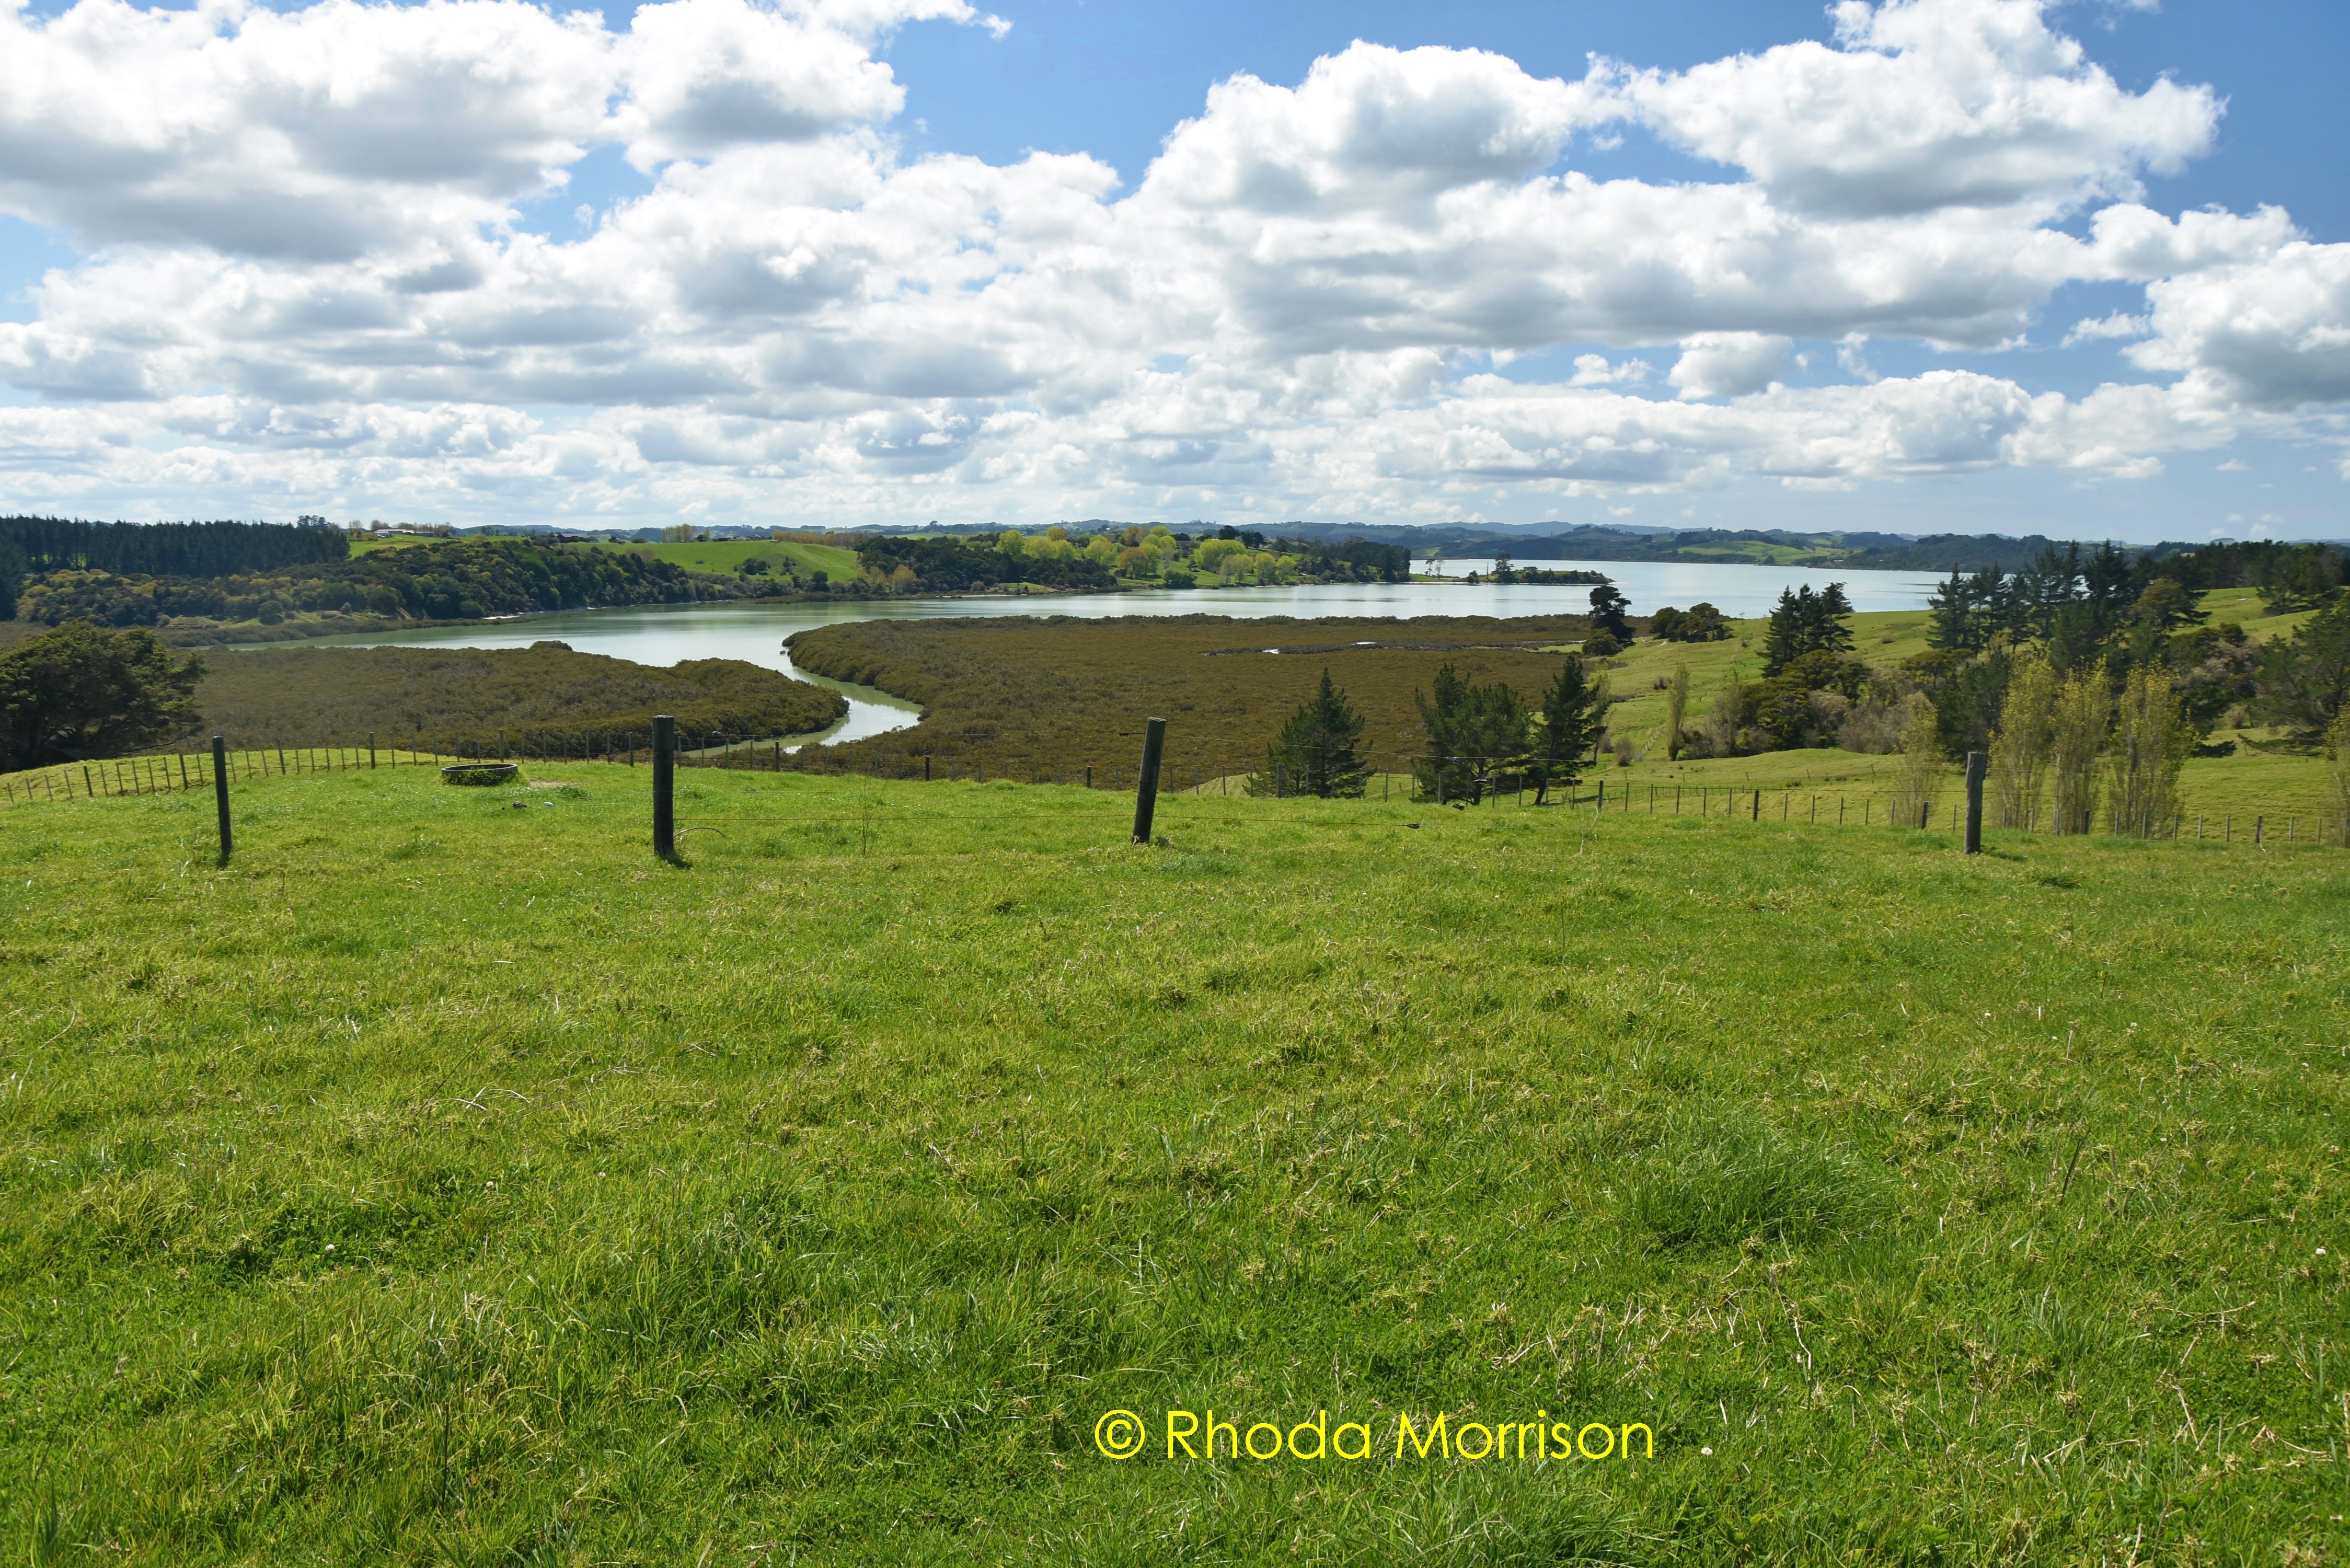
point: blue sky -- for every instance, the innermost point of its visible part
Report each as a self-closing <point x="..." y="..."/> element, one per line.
<point x="780" y="314"/>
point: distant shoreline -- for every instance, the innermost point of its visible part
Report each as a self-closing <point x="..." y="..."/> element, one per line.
<point x="294" y="629"/>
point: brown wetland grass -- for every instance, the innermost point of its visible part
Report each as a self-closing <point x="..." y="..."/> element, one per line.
<point x="1062" y="693"/>
<point x="336" y="696"/>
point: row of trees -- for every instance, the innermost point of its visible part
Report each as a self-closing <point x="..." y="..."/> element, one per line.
<point x="2216" y="673"/>
<point x="169" y="549"/>
<point x="2103" y="610"/>
<point x="2076" y="600"/>
<point x="943" y="565"/>
<point x="35" y="546"/>
<point x="1480" y="740"/>
<point x="2063" y="740"/>
<point x="1059" y="558"/>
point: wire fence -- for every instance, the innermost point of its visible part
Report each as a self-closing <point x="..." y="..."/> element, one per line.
<point x="1439" y="780"/>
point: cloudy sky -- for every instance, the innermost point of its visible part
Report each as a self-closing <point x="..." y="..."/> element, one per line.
<point x="1970" y="264"/>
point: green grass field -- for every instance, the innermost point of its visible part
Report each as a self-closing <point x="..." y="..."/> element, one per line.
<point x="445" y="1181"/>
<point x="390" y="542"/>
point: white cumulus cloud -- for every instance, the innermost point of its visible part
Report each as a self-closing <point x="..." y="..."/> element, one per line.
<point x="1729" y="364"/>
<point x="306" y="271"/>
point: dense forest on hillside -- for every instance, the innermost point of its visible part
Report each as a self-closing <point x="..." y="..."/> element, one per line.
<point x="453" y="581"/>
<point x="34" y="547"/>
<point x="169" y="549"/>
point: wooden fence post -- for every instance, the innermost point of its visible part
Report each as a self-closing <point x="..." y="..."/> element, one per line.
<point x="220" y="794"/>
<point x="1146" y="782"/>
<point x="664" y="763"/>
<point x="1975" y="765"/>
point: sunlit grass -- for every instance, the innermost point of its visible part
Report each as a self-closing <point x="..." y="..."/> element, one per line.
<point x="448" y="1180"/>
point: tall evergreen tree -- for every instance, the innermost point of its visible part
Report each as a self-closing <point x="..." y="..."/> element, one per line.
<point x="1804" y="622"/>
<point x="1574" y="712"/>
<point x="1951" y="608"/>
<point x="2054" y="582"/>
<point x="1316" y="751"/>
<point x="11" y="574"/>
<point x="1987" y="595"/>
<point x="2107" y="583"/>
<point x="2306" y="677"/>
<point x="1472" y="731"/>
<point x="1830" y="632"/>
<point x="1784" y="637"/>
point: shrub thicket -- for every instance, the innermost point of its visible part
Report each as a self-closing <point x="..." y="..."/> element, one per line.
<point x="81" y="691"/>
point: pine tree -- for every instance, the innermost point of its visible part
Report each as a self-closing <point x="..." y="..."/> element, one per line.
<point x="1829" y="632"/>
<point x="1804" y="622"/>
<point x="1574" y="712"/>
<point x="1316" y="752"/>
<point x="1986" y="602"/>
<point x="1473" y="731"/>
<point x="1783" y="638"/>
<point x="1951" y="607"/>
<point x="83" y="691"/>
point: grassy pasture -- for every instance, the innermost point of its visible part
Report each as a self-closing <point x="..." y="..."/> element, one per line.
<point x="363" y="547"/>
<point x="445" y="1181"/>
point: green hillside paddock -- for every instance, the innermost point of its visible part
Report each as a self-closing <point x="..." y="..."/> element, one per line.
<point x="450" y="1181"/>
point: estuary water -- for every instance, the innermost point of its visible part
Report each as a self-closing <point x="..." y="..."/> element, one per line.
<point x="754" y="632"/>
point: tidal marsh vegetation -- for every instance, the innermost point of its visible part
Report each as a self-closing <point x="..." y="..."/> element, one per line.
<point x="1060" y="692"/>
<point x="334" y="696"/>
<point x="446" y="1182"/>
